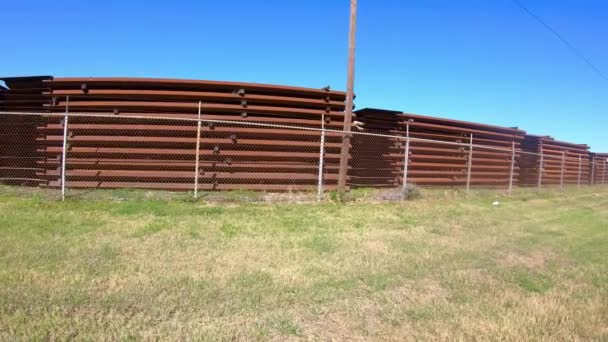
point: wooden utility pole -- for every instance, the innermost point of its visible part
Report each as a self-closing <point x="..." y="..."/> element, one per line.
<point x="348" y="111"/>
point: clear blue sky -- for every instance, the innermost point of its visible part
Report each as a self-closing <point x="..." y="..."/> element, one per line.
<point x="477" y="60"/>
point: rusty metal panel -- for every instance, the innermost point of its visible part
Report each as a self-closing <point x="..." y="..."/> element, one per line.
<point x="551" y="168"/>
<point x="148" y="136"/>
<point x="438" y="152"/>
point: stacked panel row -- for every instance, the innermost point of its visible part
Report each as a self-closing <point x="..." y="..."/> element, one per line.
<point x="147" y="137"/>
<point x="144" y="133"/>
<point x="551" y="162"/>
<point x="20" y="150"/>
<point x="599" y="168"/>
<point x="439" y="151"/>
<point x="20" y="143"/>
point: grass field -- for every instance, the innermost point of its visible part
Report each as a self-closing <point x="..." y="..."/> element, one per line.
<point x="441" y="267"/>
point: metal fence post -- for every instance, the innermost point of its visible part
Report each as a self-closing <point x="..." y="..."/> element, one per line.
<point x="470" y="163"/>
<point x="406" y="159"/>
<point x="198" y="147"/>
<point x="541" y="168"/>
<point x="512" y="168"/>
<point x="604" y="172"/>
<point x="321" y="161"/>
<point x="64" y="147"/>
<point x="578" y="182"/>
<point x="561" y="178"/>
<point x="592" y="181"/>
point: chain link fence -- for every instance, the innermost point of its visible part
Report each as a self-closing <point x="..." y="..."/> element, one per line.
<point x="72" y="152"/>
<point x="599" y="169"/>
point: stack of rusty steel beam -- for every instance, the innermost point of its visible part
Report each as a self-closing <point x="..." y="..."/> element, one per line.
<point x="599" y="168"/>
<point x="20" y="144"/>
<point x="379" y="161"/>
<point x="23" y="93"/>
<point x="556" y="161"/>
<point x="131" y="147"/>
<point x="142" y="133"/>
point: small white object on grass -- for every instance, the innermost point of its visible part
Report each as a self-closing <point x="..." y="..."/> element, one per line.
<point x="495" y="204"/>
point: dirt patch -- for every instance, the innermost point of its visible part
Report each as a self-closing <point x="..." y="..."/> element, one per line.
<point x="535" y="260"/>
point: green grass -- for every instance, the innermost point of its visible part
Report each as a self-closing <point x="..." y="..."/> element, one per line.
<point x="133" y="265"/>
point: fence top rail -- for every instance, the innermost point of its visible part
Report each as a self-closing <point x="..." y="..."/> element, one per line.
<point x="270" y="125"/>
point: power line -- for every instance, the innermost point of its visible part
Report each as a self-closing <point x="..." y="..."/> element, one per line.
<point x="576" y="51"/>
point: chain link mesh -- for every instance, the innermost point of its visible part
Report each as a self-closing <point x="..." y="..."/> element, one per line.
<point x="110" y="153"/>
<point x="23" y="159"/>
<point x="106" y="151"/>
<point x="236" y="156"/>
